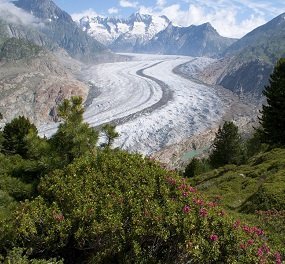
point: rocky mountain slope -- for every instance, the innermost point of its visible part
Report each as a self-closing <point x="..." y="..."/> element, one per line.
<point x="38" y="46"/>
<point x="33" y="82"/>
<point x="155" y="34"/>
<point x="202" y="40"/>
<point x="60" y="29"/>
<point x="249" y="61"/>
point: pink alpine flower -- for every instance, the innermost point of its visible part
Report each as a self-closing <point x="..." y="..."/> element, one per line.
<point x="191" y="189"/>
<point x="266" y="249"/>
<point x="250" y="242"/>
<point x="171" y="181"/>
<point x="214" y="237"/>
<point x="260" y="252"/>
<point x="182" y="186"/>
<point x="203" y="212"/>
<point x="242" y="246"/>
<point x="259" y="232"/>
<point x="278" y="259"/>
<point x="185" y="194"/>
<point x="198" y="201"/>
<point x="186" y="209"/>
<point x="237" y="224"/>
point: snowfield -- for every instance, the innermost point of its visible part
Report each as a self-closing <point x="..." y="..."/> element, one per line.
<point x="151" y="105"/>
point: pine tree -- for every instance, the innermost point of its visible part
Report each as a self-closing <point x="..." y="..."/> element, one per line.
<point x="273" y="114"/>
<point x="196" y="167"/>
<point x="14" y="134"/>
<point x="74" y="137"/>
<point x="110" y="134"/>
<point x="227" y="147"/>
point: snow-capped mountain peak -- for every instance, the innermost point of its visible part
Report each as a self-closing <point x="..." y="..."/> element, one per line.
<point x="109" y="30"/>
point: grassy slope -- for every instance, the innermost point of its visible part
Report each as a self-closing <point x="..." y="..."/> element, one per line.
<point x="259" y="185"/>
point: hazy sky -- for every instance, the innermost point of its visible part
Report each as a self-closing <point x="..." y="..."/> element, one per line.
<point x="231" y="18"/>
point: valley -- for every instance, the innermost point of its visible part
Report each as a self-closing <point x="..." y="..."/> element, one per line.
<point x="152" y="105"/>
<point x="142" y="134"/>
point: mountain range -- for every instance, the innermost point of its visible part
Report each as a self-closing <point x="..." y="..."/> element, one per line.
<point x="146" y="33"/>
<point x="138" y="29"/>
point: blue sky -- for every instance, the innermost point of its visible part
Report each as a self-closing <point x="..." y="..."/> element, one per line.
<point x="231" y="18"/>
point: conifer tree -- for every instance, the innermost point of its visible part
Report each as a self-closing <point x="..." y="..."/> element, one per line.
<point x="273" y="114"/>
<point x="74" y="137"/>
<point x="227" y="148"/>
<point x="14" y="134"/>
<point x="110" y="134"/>
<point x="196" y="167"/>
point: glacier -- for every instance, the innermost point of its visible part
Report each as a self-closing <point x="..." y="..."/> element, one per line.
<point x="152" y="106"/>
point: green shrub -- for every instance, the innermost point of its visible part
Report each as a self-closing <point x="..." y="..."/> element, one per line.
<point x="17" y="256"/>
<point x="119" y="207"/>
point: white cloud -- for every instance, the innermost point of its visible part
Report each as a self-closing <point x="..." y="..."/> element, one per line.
<point x="86" y="13"/>
<point x="224" y="20"/>
<point x="230" y="18"/>
<point x="174" y="13"/>
<point x="160" y="3"/>
<point x="126" y="3"/>
<point x="113" y="10"/>
<point x="12" y="14"/>
<point x="146" y="10"/>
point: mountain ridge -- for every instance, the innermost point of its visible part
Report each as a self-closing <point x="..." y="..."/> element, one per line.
<point x="111" y="30"/>
<point x="60" y="29"/>
<point x="142" y="33"/>
<point x="201" y="40"/>
<point x="245" y="66"/>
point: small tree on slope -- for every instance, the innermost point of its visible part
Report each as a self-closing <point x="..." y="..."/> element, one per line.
<point x="227" y="147"/>
<point x="74" y="138"/>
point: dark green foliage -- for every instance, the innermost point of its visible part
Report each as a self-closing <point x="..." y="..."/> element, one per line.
<point x="17" y="256"/>
<point x="254" y="144"/>
<point x="73" y="138"/>
<point x="12" y="190"/>
<point x="227" y="147"/>
<point x="14" y="134"/>
<point x="123" y="208"/>
<point x="1" y="141"/>
<point x="196" y="167"/>
<point x="110" y="134"/>
<point x="273" y="114"/>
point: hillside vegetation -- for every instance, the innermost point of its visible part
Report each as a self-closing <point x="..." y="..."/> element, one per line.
<point x="253" y="191"/>
<point x="64" y="198"/>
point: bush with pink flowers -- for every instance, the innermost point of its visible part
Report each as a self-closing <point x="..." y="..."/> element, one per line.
<point x="123" y="208"/>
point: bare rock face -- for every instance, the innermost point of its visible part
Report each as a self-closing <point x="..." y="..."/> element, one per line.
<point x="35" y="86"/>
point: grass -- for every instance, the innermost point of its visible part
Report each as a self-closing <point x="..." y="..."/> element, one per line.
<point x="256" y="186"/>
